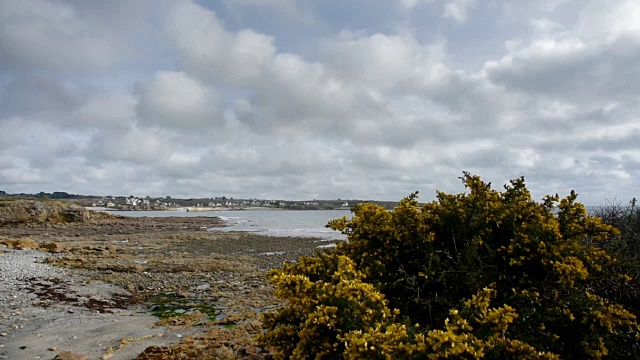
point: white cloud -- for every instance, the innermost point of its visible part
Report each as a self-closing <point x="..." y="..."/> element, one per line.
<point x="348" y="106"/>
<point x="385" y="61"/>
<point x="570" y="63"/>
<point x="295" y="94"/>
<point x="211" y="52"/>
<point x="614" y="19"/>
<point x="22" y="175"/>
<point x="136" y="146"/>
<point x="174" y="100"/>
<point x="458" y="10"/>
<point x="288" y="91"/>
<point x="36" y="145"/>
<point x="545" y="26"/>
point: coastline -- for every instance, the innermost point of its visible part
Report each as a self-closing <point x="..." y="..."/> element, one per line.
<point x="36" y="325"/>
<point x="183" y="209"/>
<point x="169" y="282"/>
<point x="212" y="209"/>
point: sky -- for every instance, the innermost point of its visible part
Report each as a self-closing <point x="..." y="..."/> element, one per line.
<point x="305" y="99"/>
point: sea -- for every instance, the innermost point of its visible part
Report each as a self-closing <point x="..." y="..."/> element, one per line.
<point x="283" y="223"/>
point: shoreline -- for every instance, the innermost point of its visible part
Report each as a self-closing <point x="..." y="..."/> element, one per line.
<point x="33" y="303"/>
<point x="209" y="287"/>
<point x="209" y="209"/>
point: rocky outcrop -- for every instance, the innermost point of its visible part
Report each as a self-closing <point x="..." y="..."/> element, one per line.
<point x="30" y="244"/>
<point x="51" y="247"/>
<point x="47" y="211"/>
<point x="21" y="244"/>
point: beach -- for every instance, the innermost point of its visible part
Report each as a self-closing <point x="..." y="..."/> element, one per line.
<point x="145" y="288"/>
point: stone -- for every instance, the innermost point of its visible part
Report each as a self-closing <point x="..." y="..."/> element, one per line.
<point x="224" y="353"/>
<point x="252" y="325"/>
<point x="68" y="355"/>
<point x="52" y="247"/>
<point x="182" y="294"/>
<point x="22" y="244"/>
<point x="246" y="353"/>
<point x="26" y="244"/>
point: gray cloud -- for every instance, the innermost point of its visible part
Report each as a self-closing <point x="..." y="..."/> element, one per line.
<point x="42" y="34"/>
<point x="24" y="95"/>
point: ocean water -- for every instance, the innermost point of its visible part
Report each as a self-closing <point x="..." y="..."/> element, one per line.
<point x="309" y="223"/>
<point x="306" y="223"/>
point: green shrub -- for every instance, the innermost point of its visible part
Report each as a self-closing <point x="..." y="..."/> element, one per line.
<point x="481" y="274"/>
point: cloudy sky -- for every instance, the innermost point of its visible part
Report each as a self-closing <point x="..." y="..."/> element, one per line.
<point x="303" y="99"/>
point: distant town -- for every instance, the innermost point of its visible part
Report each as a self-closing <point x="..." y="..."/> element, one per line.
<point x="167" y="203"/>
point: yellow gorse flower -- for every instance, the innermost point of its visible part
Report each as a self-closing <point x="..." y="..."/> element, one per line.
<point x="481" y="274"/>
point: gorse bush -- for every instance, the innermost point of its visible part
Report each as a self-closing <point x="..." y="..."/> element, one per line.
<point x="626" y="247"/>
<point x="627" y="220"/>
<point x="481" y="274"/>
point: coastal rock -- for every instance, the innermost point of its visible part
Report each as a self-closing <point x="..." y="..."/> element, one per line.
<point x="224" y="353"/>
<point x="52" y="247"/>
<point x="252" y="326"/>
<point x="48" y="212"/>
<point x="21" y="244"/>
<point x="7" y="243"/>
<point x="26" y="244"/>
<point x="68" y="355"/>
<point x="67" y="261"/>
